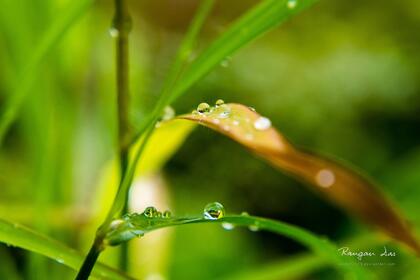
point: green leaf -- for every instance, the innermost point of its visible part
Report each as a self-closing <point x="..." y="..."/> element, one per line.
<point x="49" y="40"/>
<point x="22" y="237"/>
<point x="135" y="225"/>
<point x="343" y="186"/>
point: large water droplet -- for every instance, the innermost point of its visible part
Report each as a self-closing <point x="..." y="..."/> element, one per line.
<point x="113" y="32"/>
<point x="203" y="108"/>
<point x="150" y="212"/>
<point x="214" y="211"/>
<point x="291" y="4"/>
<point x="219" y="102"/>
<point x="228" y="226"/>
<point x="262" y="123"/>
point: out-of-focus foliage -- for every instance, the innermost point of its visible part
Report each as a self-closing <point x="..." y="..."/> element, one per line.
<point x="340" y="79"/>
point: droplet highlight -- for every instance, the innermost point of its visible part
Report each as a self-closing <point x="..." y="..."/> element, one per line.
<point x="228" y="226"/>
<point x="219" y="102"/>
<point x="262" y="123"/>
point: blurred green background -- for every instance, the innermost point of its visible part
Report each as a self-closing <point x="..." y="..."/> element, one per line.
<point x="341" y="79"/>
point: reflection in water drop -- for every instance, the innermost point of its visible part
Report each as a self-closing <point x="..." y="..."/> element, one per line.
<point x="262" y="123"/>
<point x="219" y="102"/>
<point x="213" y="211"/>
<point x="150" y="212"/>
<point x="325" y="178"/>
<point x="203" y="108"/>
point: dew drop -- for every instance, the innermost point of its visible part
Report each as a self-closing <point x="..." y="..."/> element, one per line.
<point x="213" y="211"/>
<point x="228" y="226"/>
<point x="225" y="62"/>
<point x="219" y="102"/>
<point x="158" y="214"/>
<point x="262" y="123"/>
<point x="150" y="212"/>
<point x="203" y="108"/>
<point x="223" y="111"/>
<point x="115" y="223"/>
<point x="254" y="227"/>
<point x="252" y="109"/>
<point x="166" y="214"/>
<point x="113" y="32"/>
<point x="168" y="113"/>
<point x="244" y="213"/>
<point x="291" y="4"/>
<point x="60" y="260"/>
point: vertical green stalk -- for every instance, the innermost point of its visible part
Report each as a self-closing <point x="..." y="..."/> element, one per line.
<point x="121" y="27"/>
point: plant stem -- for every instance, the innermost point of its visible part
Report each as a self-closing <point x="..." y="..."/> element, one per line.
<point x="122" y="24"/>
<point x="90" y="259"/>
<point x="121" y="29"/>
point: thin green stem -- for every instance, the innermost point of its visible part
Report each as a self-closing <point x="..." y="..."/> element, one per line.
<point x="122" y="24"/>
<point x="90" y="259"/>
<point x="121" y="29"/>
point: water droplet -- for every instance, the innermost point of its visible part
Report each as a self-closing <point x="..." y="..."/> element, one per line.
<point x="115" y="223"/>
<point x="228" y="226"/>
<point x="113" y="32"/>
<point x="168" y="113"/>
<point x="59" y="260"/>
<point x="214" y="211"/>
<point x="254" y="227"/>
<point x="262" y="123"/>
<point x="225" y="62"/>
<point x="291" y="4"/>
<point x="150" y="212"/>
<point x="219" y="102"/>
<point x="325" y="178"/>
<point x="252" y="109"/>
<point x="166" y="214"/>
<point x="223" y="111"/>
<point x="244" y="213"/>
<point x="203" y="108"/>
<point x="158" y="214"/>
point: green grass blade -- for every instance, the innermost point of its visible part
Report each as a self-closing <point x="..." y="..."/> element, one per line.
<point x="135" y="225"/>
<point x="262" y="18"/>
<point x="22" y="237"/>
<point x="23" y="83"/>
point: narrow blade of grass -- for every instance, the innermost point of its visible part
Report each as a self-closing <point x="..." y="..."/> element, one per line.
<point x="23" y="83"/>
<point x="343" y="186"/>
<point x="135" y="225"/>
<point x="257" y="21"/>
<point x="22" y="237"/>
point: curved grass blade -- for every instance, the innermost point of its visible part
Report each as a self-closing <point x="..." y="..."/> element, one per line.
<point x="22" y="237"/>
<point x="340" y="184"/>
<point x="23" y="84"/>
<point x="135" y="225"/>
